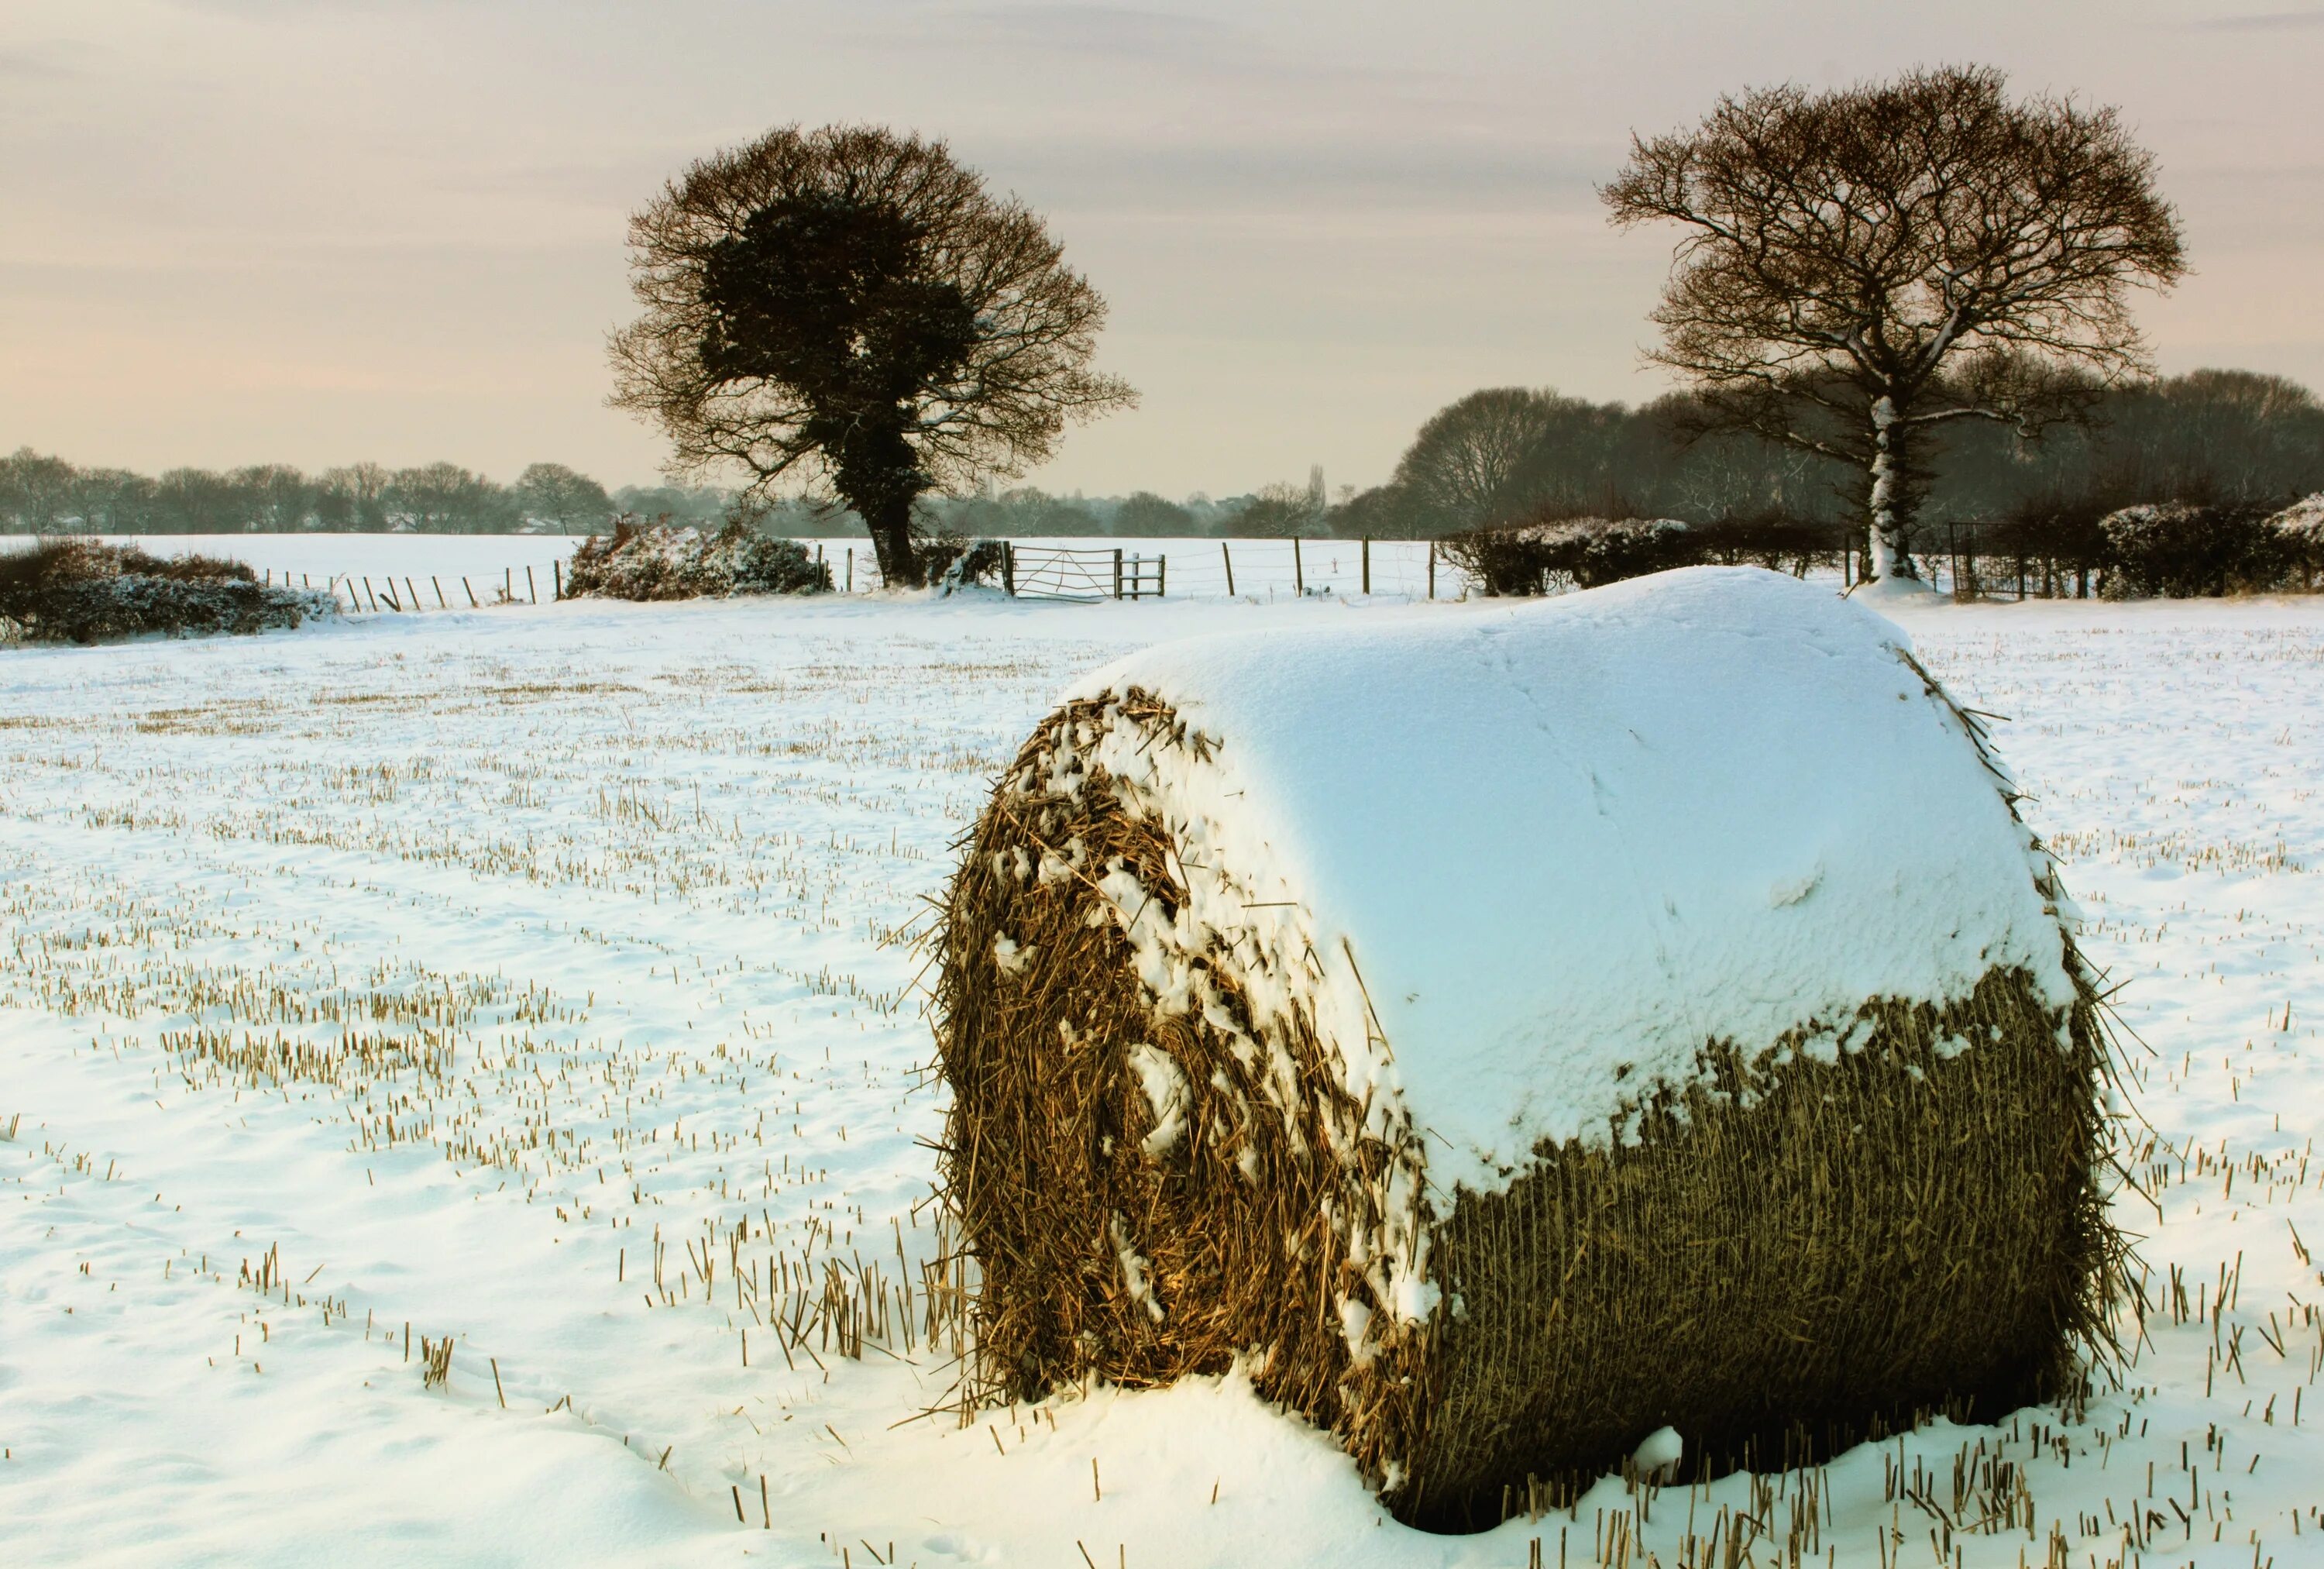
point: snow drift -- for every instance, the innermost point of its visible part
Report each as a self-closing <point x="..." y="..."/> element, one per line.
<point x="1519" y="1033"/>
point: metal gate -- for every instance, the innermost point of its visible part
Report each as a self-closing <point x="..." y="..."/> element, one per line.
<point x="1084" y="576"/>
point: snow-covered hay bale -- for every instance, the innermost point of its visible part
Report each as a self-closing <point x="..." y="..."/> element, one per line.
<point x="1516" y="1032"/>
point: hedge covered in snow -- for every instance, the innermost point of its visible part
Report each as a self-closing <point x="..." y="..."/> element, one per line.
<point x="83" y="591"/>
<point x="1569" y="553"/>
<point x="665" y="561"/>
<point x="2180" y="550"/>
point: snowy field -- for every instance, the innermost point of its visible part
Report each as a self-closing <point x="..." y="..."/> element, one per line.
<point x="531" y="981"/>
<point x="432" y="567"/>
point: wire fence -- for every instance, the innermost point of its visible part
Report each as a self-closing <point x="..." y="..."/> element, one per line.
<point x="385" y="593"/>
<point x="1258" y="570"/>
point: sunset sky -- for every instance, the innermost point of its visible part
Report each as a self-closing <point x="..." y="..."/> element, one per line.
<point x="234" y="231"/>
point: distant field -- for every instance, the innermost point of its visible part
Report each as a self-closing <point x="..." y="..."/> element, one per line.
<point x="1197" y="568"/>
<point x="321" y="557"/>
<point x="448" y="976"/>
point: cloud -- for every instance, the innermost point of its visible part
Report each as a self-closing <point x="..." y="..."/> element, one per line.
<point x="1089" y="30"/>
<point x="1221" y="54"/>
<point x="2265" y="21"/>
<point x="37" y="65"/>
<point x="1303" y="174"/>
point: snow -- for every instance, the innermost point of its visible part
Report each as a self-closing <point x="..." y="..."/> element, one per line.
<point x="1888" y="591"/>
<point x="1659" y="1451"/>
<point x="2302" y="521"/>
<point x="667" y="846"/>
<point x="320" y="557"/>
<point x="1534" y="857"/>
<point x="1167" y="1092"/>
<point x="1266" y="570"/>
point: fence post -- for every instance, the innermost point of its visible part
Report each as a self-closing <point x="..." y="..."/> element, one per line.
<point x="508" y="583"/>
<point x="558" y="569"/>
<point x="1162" y="576"/>
<point x="1367" y="566"/>
<point x="1432" y="568"/>
<point x="1226" y="556"/>
<point x="850" y="568"/>
<point x="437" y="584"/>
<point x="414" y="592"/>
<point x="369" y="595"/>
<point x="1008" y="568"/>
<point x="1298" y="572"/>
<point x="471" y="589"/>
<point x="1117" y="571"/>
<point x="530" y="591"/>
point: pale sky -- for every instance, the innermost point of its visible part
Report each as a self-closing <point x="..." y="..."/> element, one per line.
<point x="237" y="231"/>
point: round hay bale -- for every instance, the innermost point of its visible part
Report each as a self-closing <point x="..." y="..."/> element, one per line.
<point x="1516" y="1032"/>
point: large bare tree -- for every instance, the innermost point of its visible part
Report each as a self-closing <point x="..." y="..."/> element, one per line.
<point x="1864" y="266"/>
<point x="853" y="305"/>
<point x="1464" y="467"/>
<point x="1500" y="451"/>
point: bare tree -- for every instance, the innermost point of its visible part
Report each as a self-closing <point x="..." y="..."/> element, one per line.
<point x="854" y="305"/>
<point x="276" y="498"/>
<point x="112" y="500"/>
<point x="552" y="493"/>
<point x="1143" y="515"/>
<point x="1866" y="265"/>
<point x="197" y="500"/>
<point x="442" y="498"/>
<point x="1283" y="511"/>
<point x="35" y="492"/>
<point x="1501" y="452"/>
<point x="355" y="497"/>
<point x="1463" y="467"/>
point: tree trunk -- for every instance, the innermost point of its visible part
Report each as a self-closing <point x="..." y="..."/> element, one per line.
<point x="892" y="542"/>
<point x="1889" y="558"/>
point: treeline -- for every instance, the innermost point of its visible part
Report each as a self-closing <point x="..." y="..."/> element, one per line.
<point x="42" y="494"/>
<point x="2211" y="438"/>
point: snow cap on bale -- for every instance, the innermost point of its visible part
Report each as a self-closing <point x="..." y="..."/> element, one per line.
<point x="1553" y="851"/>
<point x="1517" y="1032"/>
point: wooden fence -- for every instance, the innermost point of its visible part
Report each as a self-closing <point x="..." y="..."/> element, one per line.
<point x="390" y="593"/>
<point x="1965" y="562"/>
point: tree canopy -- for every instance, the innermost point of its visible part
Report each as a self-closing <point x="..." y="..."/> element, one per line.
<point x="1864" y="266"/>
<point x="853" y="306"/>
